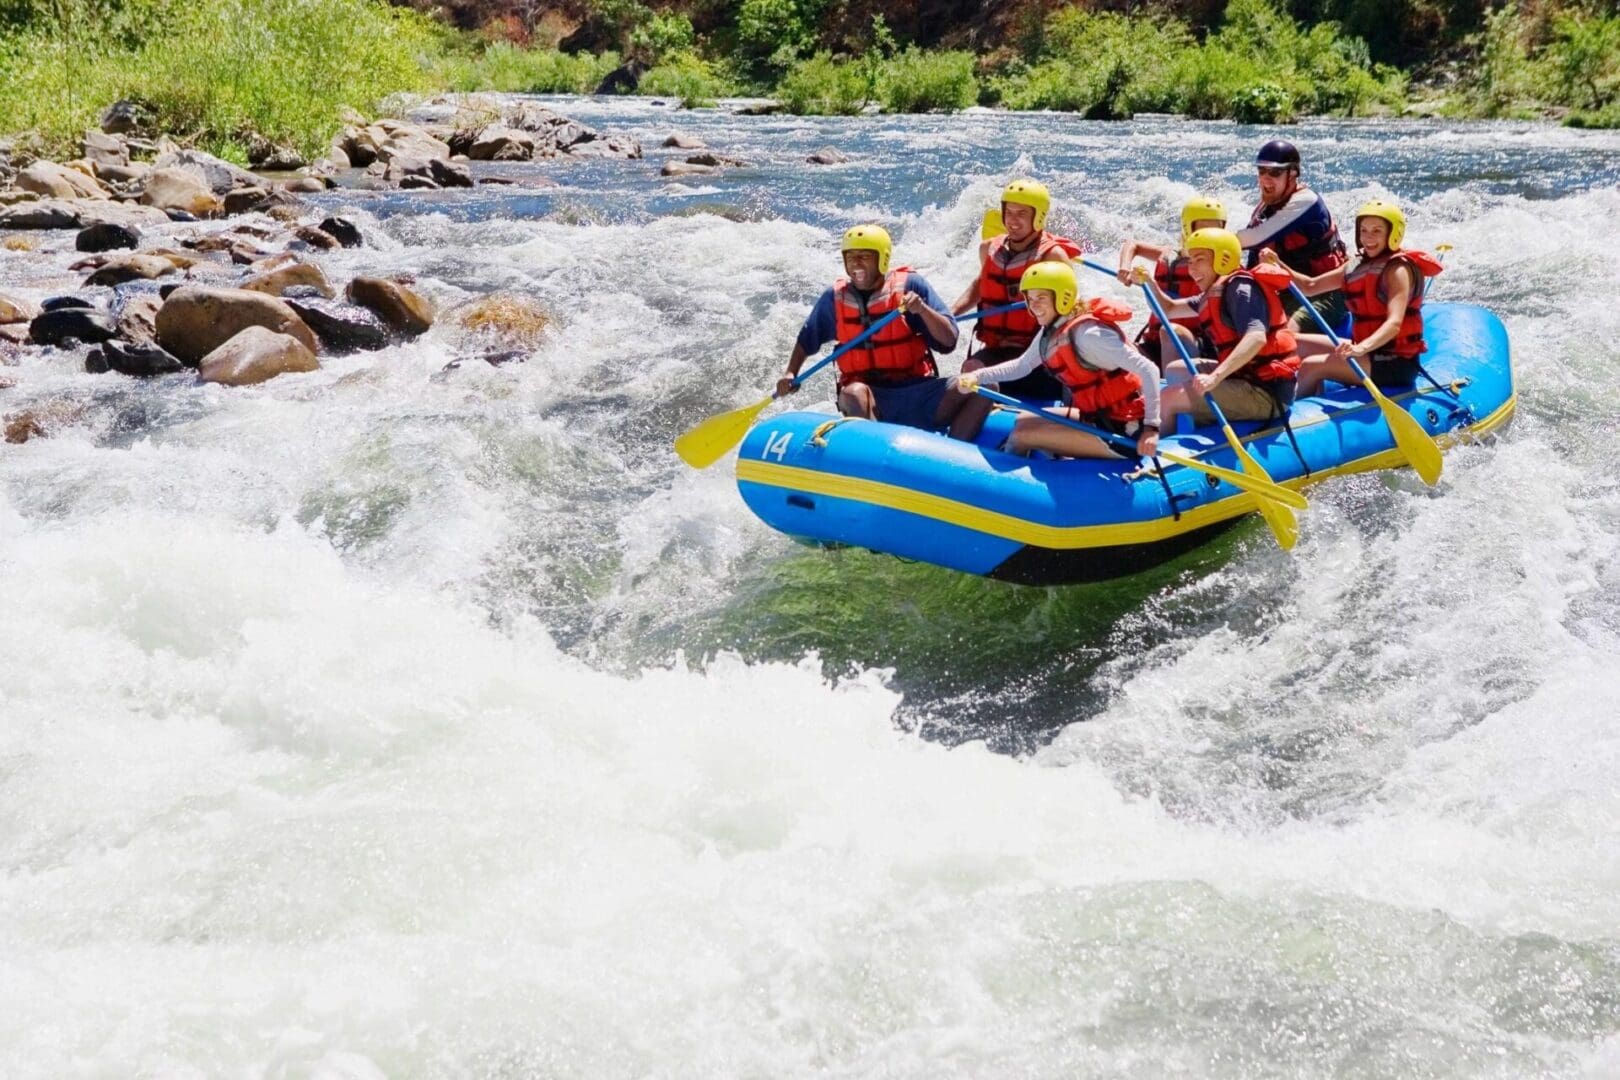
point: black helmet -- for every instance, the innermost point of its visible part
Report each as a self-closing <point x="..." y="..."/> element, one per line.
<point x="1278" y="152"/>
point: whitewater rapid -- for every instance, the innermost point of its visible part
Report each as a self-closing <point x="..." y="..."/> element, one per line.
<point x="383" y="721"/>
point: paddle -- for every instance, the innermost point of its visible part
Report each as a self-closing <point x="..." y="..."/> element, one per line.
<point x="1265" y="489"/>
<point x="708" y="441"/>
<point x="1278" y="517"/>
<point x="1417" y="445"/>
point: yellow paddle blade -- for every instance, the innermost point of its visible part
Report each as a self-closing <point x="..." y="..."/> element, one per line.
<point x="708" y="442"/>
<point x="1417" y="445"/>
<point x="992" y="224"/>
<point x="1278" y="518"/>
<point x="1252" y="484"/>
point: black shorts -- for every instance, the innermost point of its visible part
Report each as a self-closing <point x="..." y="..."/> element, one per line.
<point x="1393" y="372"/>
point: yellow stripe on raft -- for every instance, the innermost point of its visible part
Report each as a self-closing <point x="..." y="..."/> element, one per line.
<point x="1060" y="537"/>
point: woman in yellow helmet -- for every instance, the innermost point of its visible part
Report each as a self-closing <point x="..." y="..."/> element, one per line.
<point x="892" y="375"/>
<point x="1384" y="294"/>
<point x="1106" y="382"/>
<point x="1003" y="259"/>
<point x="1170" y="269"/>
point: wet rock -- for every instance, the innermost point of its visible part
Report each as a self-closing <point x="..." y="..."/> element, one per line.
<point x="62" y="303"/>
<point x="342" y="328"/>
<point x="342" y="230"/>
<point x="418" y="183"/>
<point x="407" y="140"/>
<point x="358" y="145"/>
<point x="316" y="238"/>
<point x="48" y="214"/>
<point x="195" y="320"/>
<point x="305" y="185"/>
<point x="276" y="282"/>
<point x="677" y="141"/>
<point x="220" y="175"/>
<point x="103" y="150"/>
<point x="138" y="358"/>
<point x="255" y="355"/>
<point x="65" y="326"/>
<point x="682" y="168"/>
<point x="614" y="146"/>
<point x="271" y="157"/>
<point x="107" y="236"/>
<point x="400" y="307"/>
<point x="136" y="315"/>
<point x="827" y="156"/>
<point x="520" y="181"/>
<point x="130" y="214"/>
<point x="451" y="174"/>
<point x="513" y="318"/>
<point x="13" y="334"/>
<point x="17" y="311"/>
<point x="759" y="108"/>
<point x="133" y="266"/>
<point x="185" y="190"/>
<point x="717" y="161"/>
<point x="500" y="143"/>
<point x="126" y="117"/>
<point x="59" y="182"/>
<point x="397" y="169"/>
<point x="244" y="200"/>
<point x="182" y="217"/>
<point x="123" y="174"/>
<point x="623" y="79"/>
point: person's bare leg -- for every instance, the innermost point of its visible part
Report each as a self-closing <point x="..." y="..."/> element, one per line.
<point x="855" y="399"/>
<point x="1169" y="357"/>
<point x="964" y="412"/>
<point x="1318" y="370"/>
<point x="1033" y="433"/>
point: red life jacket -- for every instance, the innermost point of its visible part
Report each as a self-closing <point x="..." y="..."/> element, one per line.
<point x="1278" y="359"/>
<point x="893" y="353"/>
<point x="998" y="285"/>
<point x="1369" y="306"/>
<point x="1095" y="392"/>
<point x="1297" y="249"/>
<point x="1176" y="281"/>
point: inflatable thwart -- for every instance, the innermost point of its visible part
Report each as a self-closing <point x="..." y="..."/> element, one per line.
<point x="1039" y="521"/>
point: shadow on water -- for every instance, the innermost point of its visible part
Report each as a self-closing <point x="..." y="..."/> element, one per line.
<point x="974" y="658"/>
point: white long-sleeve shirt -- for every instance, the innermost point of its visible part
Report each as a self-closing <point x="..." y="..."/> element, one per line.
<point x="1098" y="346"/>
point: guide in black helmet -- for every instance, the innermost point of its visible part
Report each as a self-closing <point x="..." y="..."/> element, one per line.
<point x="1293" y="221"/>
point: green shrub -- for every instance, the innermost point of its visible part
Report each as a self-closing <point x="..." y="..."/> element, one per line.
<point x="822" y="86"/>
<point x="214" y="70"/>
<point x="510" y="69"/>
<point x="685" y="76"/>
<point x="663" y="37"/>
<point x="1265" y="103"/>
<point x="1584" y="58"/>
<point x="914" y="81"/>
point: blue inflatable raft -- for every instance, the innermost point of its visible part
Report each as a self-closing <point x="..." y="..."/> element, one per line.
<point x="971" y="507"/>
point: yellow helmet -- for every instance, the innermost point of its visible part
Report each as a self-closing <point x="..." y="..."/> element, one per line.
<point x="1030" y="193"/>
<point x="1221" y="244"/>
<point x="1380" y="208"/>
<point x="870" y="238"/>
<point x="1058" y="277"/>
<point x="1200" y="208"/>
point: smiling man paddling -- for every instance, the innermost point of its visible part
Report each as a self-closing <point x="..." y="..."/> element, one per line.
<point x="892" y="375"/>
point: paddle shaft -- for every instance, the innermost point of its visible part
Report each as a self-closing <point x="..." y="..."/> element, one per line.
<point x="885" y="321"/>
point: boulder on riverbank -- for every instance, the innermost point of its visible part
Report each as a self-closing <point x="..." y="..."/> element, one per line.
<point x="55" y="181"/>
<point x="195" y="320"/>
<point x="255" y="355"/>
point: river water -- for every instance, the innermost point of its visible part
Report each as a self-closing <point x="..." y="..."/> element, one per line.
<point x="372" y="723"/>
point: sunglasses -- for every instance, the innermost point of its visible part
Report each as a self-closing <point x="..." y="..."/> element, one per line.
<point x="1274" y="170"/>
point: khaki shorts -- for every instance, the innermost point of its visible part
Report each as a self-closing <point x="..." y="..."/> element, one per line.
<point x="1239" y="399"/>
<point x="1331" y="305"/>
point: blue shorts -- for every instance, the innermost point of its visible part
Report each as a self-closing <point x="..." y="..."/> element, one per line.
<point x="912" y="402"/>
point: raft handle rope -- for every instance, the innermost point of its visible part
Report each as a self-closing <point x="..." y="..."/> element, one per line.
<point x="818" y="437"/>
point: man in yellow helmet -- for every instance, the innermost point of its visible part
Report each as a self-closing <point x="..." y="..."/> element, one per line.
<point x="1170" y="269"/>
<point x="1253" y="361"/>
<point x="1002" y="262"/>
<point x="891" y="376"/>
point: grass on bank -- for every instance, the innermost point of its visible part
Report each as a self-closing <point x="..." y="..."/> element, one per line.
<point x="213" y="71"/>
